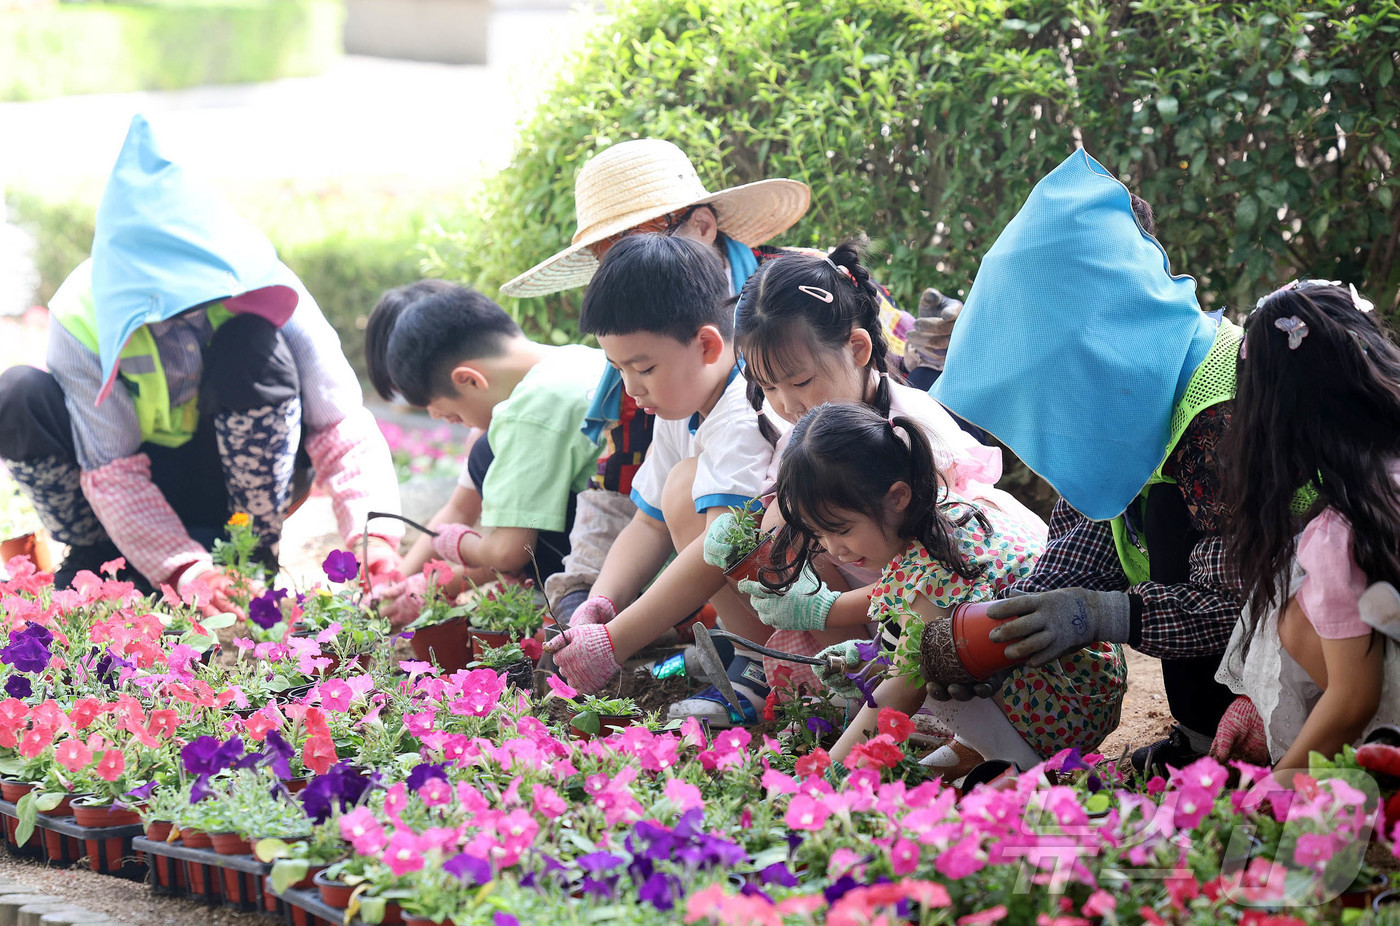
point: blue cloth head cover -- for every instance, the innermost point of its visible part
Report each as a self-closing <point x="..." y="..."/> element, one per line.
<point x="164" y="244"/>
<point x="1077" y="341"/>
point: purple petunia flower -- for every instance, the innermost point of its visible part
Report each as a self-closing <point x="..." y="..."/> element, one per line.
<point x="341" y="566"/>
<point x="840" y="888"/>
<point x="865" y="686"/>
<point x="778" y="873"/>
<point x="818" y="726"/>
<point x="657" y="891"/>
<point x="18" y="686"/>
<point x="342" y="785"/>
<point x="28" y="650"/>
<point x="465" y="867"/>
<point x="264" y="610"/>
<point x="504" y="919"/>
<point x="598" y="863"/>
<point x="867" y="650"/>
<point x="278" y="754"/>
<point x="142" y="793"/>
<point x="424" y="773"/>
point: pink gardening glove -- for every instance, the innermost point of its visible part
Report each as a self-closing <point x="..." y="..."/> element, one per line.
<point x="1241" y="735"/>
<point x="448" y="542"/>
<point x="402" y="601"/>
<point x="597" y="610"/>
<point x="584" y="656"/>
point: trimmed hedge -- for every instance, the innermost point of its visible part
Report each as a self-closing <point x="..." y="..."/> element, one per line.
<point x="347" y="251"/>
<point x="1263" y="134"/>
<point x="109" y="48"/>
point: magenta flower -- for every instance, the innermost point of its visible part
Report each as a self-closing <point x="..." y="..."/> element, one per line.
<point x="360" y="828"/>
<point x="559" y="687"/>
<point x="403" y="853"/>
<point x="336" y="695"/>
<point x="804" y="813"/>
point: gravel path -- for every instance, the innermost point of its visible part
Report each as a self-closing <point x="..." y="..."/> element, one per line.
<point x="125" y="901"/>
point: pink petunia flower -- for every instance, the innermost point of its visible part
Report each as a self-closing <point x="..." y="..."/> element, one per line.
<point x="72" y="755"/>
<point x="683" y="795"/>
<point x="111" y="766"/>
<point x="560" y="688"/>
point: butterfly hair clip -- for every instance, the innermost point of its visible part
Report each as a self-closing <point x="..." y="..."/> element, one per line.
<point x="1294" y="327"/>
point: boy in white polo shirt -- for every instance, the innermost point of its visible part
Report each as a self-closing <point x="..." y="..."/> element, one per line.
<point x="658" y="306"/>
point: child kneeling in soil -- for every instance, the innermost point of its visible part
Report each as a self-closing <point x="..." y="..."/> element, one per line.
<point x="863" y="488"/>
<point x="456" y="353"/>
<point x="658" y="306"/>
<point x="1318" y="392"/>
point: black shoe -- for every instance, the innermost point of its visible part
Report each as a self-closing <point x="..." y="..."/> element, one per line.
<point x="91" y="557"/>
<point x="1175" y="751"/>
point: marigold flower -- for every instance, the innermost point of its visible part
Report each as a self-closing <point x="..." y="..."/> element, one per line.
<point x="239" y="519"/>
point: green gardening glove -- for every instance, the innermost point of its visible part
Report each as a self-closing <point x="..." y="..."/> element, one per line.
<point x="804" y="606"/>
<point x="834" y="677"/>
<point x="717" y="551"/>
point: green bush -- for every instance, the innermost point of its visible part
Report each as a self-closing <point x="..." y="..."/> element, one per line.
<point x="107" y="48"/>
<point x="347" y="249"/>
<point x="1264" y="134"/>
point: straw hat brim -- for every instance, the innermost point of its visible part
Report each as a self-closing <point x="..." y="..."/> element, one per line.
<point x="750" y="214"/>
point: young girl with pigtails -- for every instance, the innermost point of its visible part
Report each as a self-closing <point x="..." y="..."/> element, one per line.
<point x="865" y="489"/>
<point x="1313" y="479"/>
<point x="809" y="331"/>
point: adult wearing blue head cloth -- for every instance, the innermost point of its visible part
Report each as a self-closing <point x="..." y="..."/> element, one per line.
<point x="190" y="377"/>
<point x="1083" y="353"/>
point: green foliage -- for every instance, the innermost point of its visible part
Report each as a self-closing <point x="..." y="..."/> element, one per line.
<point x="83" y="48"/>
<point x="1263" y="134"/>
<point x="347" y="247"/>
<point x="507" y="608"/>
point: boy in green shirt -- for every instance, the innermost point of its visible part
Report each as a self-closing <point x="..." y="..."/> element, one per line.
<point x="456" y="353"/>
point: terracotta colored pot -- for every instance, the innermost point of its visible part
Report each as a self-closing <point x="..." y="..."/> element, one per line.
<point x="203" y="879"/>
<point x="420" y="921"/>
<point x="167" y="871"/>
<point x="608" y="724"/>
<point x="103" y="815"/>
<point x="981" y="657"/>
<point x="14" y="790"/>
<point x="296" y="785"/>
<point x="484" y="638"/>
<point x="34" y="546"/>
<point x="393" y="914"/>
<point x="448" y="644"/>
<point x="62" y="849"/>
<point x="749" y="566"/>
<point x="959" y="650"/>
<point x="196" y="839"/>
<point x="306" y="883"/>
<point x="333" y="893"/>
<point x="269" y="898"/>
<point x="230" y="844"/>
<point x="159" y="830"/>
<point x="235" y="886"/>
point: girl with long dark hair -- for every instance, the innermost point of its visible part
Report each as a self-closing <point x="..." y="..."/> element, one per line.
<point x="864" y="489"/>
<point x="1312" y="461"/>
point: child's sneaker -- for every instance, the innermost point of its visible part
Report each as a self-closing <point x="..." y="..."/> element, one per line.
<point x="750" y="684"/>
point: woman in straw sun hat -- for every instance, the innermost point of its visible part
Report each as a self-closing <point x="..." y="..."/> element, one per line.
<point x="641" y="186"/>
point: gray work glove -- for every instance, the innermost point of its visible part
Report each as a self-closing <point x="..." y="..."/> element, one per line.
<point x="1050" y="624"/>
<point x="933" y="328"/>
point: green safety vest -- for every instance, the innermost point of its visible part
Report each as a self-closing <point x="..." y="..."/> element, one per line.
<point x="1212" y="383"/>
<point x="139" y="366"/>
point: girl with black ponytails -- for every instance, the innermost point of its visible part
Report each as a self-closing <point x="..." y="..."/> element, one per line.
<point x="1313" y="481"/>
<point x="865" y="489"/>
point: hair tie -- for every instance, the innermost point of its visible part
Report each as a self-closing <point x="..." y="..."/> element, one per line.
<point x="816" y="292"/>
<point x="844" y="271"/>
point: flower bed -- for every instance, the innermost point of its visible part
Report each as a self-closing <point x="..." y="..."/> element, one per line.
<point x="457" y="798"/>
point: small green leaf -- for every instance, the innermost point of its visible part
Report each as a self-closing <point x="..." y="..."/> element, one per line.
<point x="270" y="850"/>
<point x="1246" y="212"/>
<point x="48" y="801"/>
<point x="25" y="813"/>
<point x="1319" y="225"/>
<point x="1168" y="106"/>
<point x="288" y="871"/>
<point x="1275" y="78"/>
<point x="1385" y="72"/>
<point x="219" y="621"/>
<point x="587" y="721"/>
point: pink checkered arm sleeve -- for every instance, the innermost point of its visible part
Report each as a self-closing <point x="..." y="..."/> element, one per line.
<point x="139" y="519"/>
<point x="353" y="464"/>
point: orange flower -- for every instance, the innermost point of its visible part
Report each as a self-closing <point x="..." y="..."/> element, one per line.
<point x="239" y="519"/>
